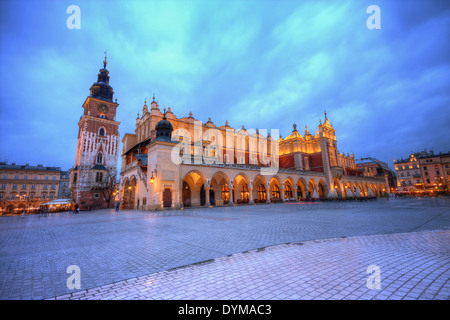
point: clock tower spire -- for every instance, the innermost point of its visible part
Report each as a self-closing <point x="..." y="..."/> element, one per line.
<point x="97" y="146"/>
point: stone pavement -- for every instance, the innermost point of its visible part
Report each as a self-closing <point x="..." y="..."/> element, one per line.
<point x="411" y="266"/>
<point x="110" y="246"/>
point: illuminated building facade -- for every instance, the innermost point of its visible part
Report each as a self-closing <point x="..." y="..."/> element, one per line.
<point x="178" y="162"/>
<point x="423" y="171"/>
<point x="25" y="187"/>
<point x="409" y="176"/>
<point x="97" y="145"/>
<point x="371" y="167"/>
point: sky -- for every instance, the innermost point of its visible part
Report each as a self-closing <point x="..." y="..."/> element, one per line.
<point x="264" y="64"/>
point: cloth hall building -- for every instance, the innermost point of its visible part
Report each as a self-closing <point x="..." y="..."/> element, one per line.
<point x="171" y="162"/>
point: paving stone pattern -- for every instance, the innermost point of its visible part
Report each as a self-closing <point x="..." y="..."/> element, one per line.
<point x="113" y="247"/>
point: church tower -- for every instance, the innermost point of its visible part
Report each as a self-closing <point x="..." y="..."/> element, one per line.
<point x="97" y="146"/>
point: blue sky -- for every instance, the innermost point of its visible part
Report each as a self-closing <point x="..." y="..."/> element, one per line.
<point x="262" y="64"/>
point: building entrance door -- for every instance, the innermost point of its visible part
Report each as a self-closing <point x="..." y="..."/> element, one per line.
<point x="167" y="198"/>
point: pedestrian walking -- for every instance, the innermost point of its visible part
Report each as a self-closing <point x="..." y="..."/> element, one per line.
<point x="75" y="210"/>
<point x="117" y="206"/>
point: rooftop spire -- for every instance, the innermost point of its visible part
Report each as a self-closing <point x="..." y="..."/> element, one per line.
<point x="104" y="62"/>
<point x="101" y="89"/>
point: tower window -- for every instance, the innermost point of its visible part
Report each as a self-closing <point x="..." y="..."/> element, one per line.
<point x="99" y="158"/>
<point x="99" y="177"/>
<point x="101" y="132"/>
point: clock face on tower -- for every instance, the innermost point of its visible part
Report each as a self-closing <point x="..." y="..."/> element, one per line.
<point x="103" y="108"/>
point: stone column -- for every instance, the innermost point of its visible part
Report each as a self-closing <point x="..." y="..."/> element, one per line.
<point x="268" y="192"/>
<point x="282" y="193"/>
<point x="207" y="203"/>
<point x="231" y="194"/>
<point x="250" y="194"/>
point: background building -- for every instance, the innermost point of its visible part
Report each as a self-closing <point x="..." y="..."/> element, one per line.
<point x="25" y="187"/>
<point x="64" y="191"/>
<point x="423" y="171"/>
<point x="370" y="167"/>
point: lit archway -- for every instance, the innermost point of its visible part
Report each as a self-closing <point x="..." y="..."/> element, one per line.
<point x="193" y="195"/>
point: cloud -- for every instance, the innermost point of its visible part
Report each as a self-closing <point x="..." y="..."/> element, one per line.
<point x="262" y="64"/>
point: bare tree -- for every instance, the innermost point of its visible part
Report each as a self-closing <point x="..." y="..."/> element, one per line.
<point x="106" y="187"/>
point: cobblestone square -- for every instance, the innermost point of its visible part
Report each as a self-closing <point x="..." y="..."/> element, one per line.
<point x="275" y="251"/>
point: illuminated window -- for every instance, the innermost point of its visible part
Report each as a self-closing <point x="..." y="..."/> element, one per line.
<point x="288" y="192"/>
<point x="225" y="193"/>
<point x="275" y="192"/>
<point x="261" y="193"/>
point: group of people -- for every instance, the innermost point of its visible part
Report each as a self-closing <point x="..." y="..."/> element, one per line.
<point x="44" y="210"/>
<point x="77" y="208"/>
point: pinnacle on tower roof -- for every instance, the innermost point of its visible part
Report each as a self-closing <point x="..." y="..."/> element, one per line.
<point x="101" y="89"/>
<point x="105" y="62"/>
